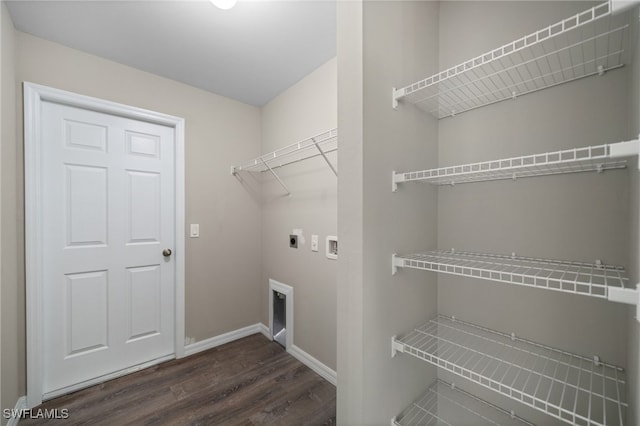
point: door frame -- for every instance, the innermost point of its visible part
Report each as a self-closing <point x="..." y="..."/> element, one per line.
<point x="34" y="95"/>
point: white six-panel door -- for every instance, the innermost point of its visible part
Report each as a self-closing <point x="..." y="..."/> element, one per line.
<point x="108" y="198"/>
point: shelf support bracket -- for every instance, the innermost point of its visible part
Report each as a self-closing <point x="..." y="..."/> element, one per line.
<point x="394" y="181"/>
<point x="396" y="347"/>
<point x="395" y="263"/>
<point x="276" y="176"/>
<point x="395" y="95"/>
<point x="335" y="172"/>
<point x="625" y="149"/>
<point x="626" y="295"/>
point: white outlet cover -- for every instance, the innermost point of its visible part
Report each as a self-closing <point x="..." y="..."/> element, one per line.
<point x="195" y="230"/>
<point x="314" y="243"/>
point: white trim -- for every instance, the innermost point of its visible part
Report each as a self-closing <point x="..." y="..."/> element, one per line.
<point x="180" y="251"/>
<point x="106" y="377"/>
<point x="34" y="95"/>
<point x="288" y="292"/>
<point x="21" y="404"/>
<point x="221" y="339"/>
<point x="325" y="372"/>
<point x="265" y="331"/>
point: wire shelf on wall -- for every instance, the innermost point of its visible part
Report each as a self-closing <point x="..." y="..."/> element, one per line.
<point x="316" y="146"/>
<point x="589" y="279"/>
<point x="569" y="387"/>
<point x="445" y="404"/>
<point x="583" y="45"/>
<point x="590" y="158"/>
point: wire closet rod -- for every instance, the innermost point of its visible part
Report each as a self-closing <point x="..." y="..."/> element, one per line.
<point x="316" y="146"/>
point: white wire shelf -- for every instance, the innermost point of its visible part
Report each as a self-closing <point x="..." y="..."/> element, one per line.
<point x="569" y="387"/>
<point x="445" y="404"/>
<point x="591" y="158"/>
<point x="589" y="43"/>
<point x="316" y="146"/>
<point x="589" y="279"/>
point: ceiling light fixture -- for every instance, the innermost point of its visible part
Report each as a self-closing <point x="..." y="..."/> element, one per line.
<point x="224" y="4"/>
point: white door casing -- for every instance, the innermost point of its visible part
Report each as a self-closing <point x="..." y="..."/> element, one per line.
<point x="104" y="196"/>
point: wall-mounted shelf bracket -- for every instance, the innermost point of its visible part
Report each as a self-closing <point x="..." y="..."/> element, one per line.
<point x="395" y="263"/>
<point x="619" y="6"/>
<point x="625" y="149"/>
<point x="396" y="346"/>
<point x="275" y="175"/>
<point x="395" y="95"/>
<point x="628" y="296"/>
<point x="333" y="169"/>
<point x="394" y="180"/>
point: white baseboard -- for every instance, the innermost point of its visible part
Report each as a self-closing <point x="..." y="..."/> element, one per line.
<point x="265" y="331"/>
<point x="221" y="339"/>
<point x="324" y="371"/>
<point x="21" y="404"/>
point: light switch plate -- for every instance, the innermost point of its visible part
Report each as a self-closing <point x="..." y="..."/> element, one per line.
<point x="195" y="230"/>
<point x="314" y="243"/>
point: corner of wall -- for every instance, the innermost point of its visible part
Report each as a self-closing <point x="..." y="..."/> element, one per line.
<point x="633" y="339"/>
<point x="350" y="336"/>
<point x="12" y="369"/>
<point x="306" y="109"/>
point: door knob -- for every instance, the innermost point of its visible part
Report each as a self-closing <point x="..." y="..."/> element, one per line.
<point x="166" y="252"/>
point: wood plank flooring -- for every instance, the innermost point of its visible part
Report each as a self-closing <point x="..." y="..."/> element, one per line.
<point x="251" y="381"/>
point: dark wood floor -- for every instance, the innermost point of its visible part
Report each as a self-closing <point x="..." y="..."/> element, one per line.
<point x="251" y="381"/>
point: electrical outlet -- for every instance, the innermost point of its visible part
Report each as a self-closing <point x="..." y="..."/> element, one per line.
<point x="314" y="243"/>
<point x="293" y="241"/>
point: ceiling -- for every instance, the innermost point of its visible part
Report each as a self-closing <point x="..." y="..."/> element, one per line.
<point x="250" y="53"/>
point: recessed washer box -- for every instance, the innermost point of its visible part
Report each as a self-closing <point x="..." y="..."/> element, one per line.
<point x="332" y="247"/>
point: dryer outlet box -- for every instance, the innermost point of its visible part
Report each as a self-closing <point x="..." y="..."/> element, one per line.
<point x="332" y="247"/>
<point x="293" y="241"/>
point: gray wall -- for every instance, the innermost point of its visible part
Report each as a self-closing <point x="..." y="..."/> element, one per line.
<point x="11" y="343"/>
<point x="396" y="222"/>
<point x="350" y="304"/>
<point x="376" y="141"/>
<point x="633" y="352"/>
<point x="304" y="110"/>
<point x="574" y="217"/>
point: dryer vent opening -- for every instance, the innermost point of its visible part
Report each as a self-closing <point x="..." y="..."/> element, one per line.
<point x="279" y="318"/>
<point x="281" y="313"/>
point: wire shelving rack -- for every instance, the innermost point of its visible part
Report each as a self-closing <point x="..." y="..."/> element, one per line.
<point x="589" y="43"/>
<point x="589" y="279"/>
<point x="575" y="389"/>
<point x="590" y="158"/>
<point x="445" y="404"/>
<point x="316" y="146"/>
